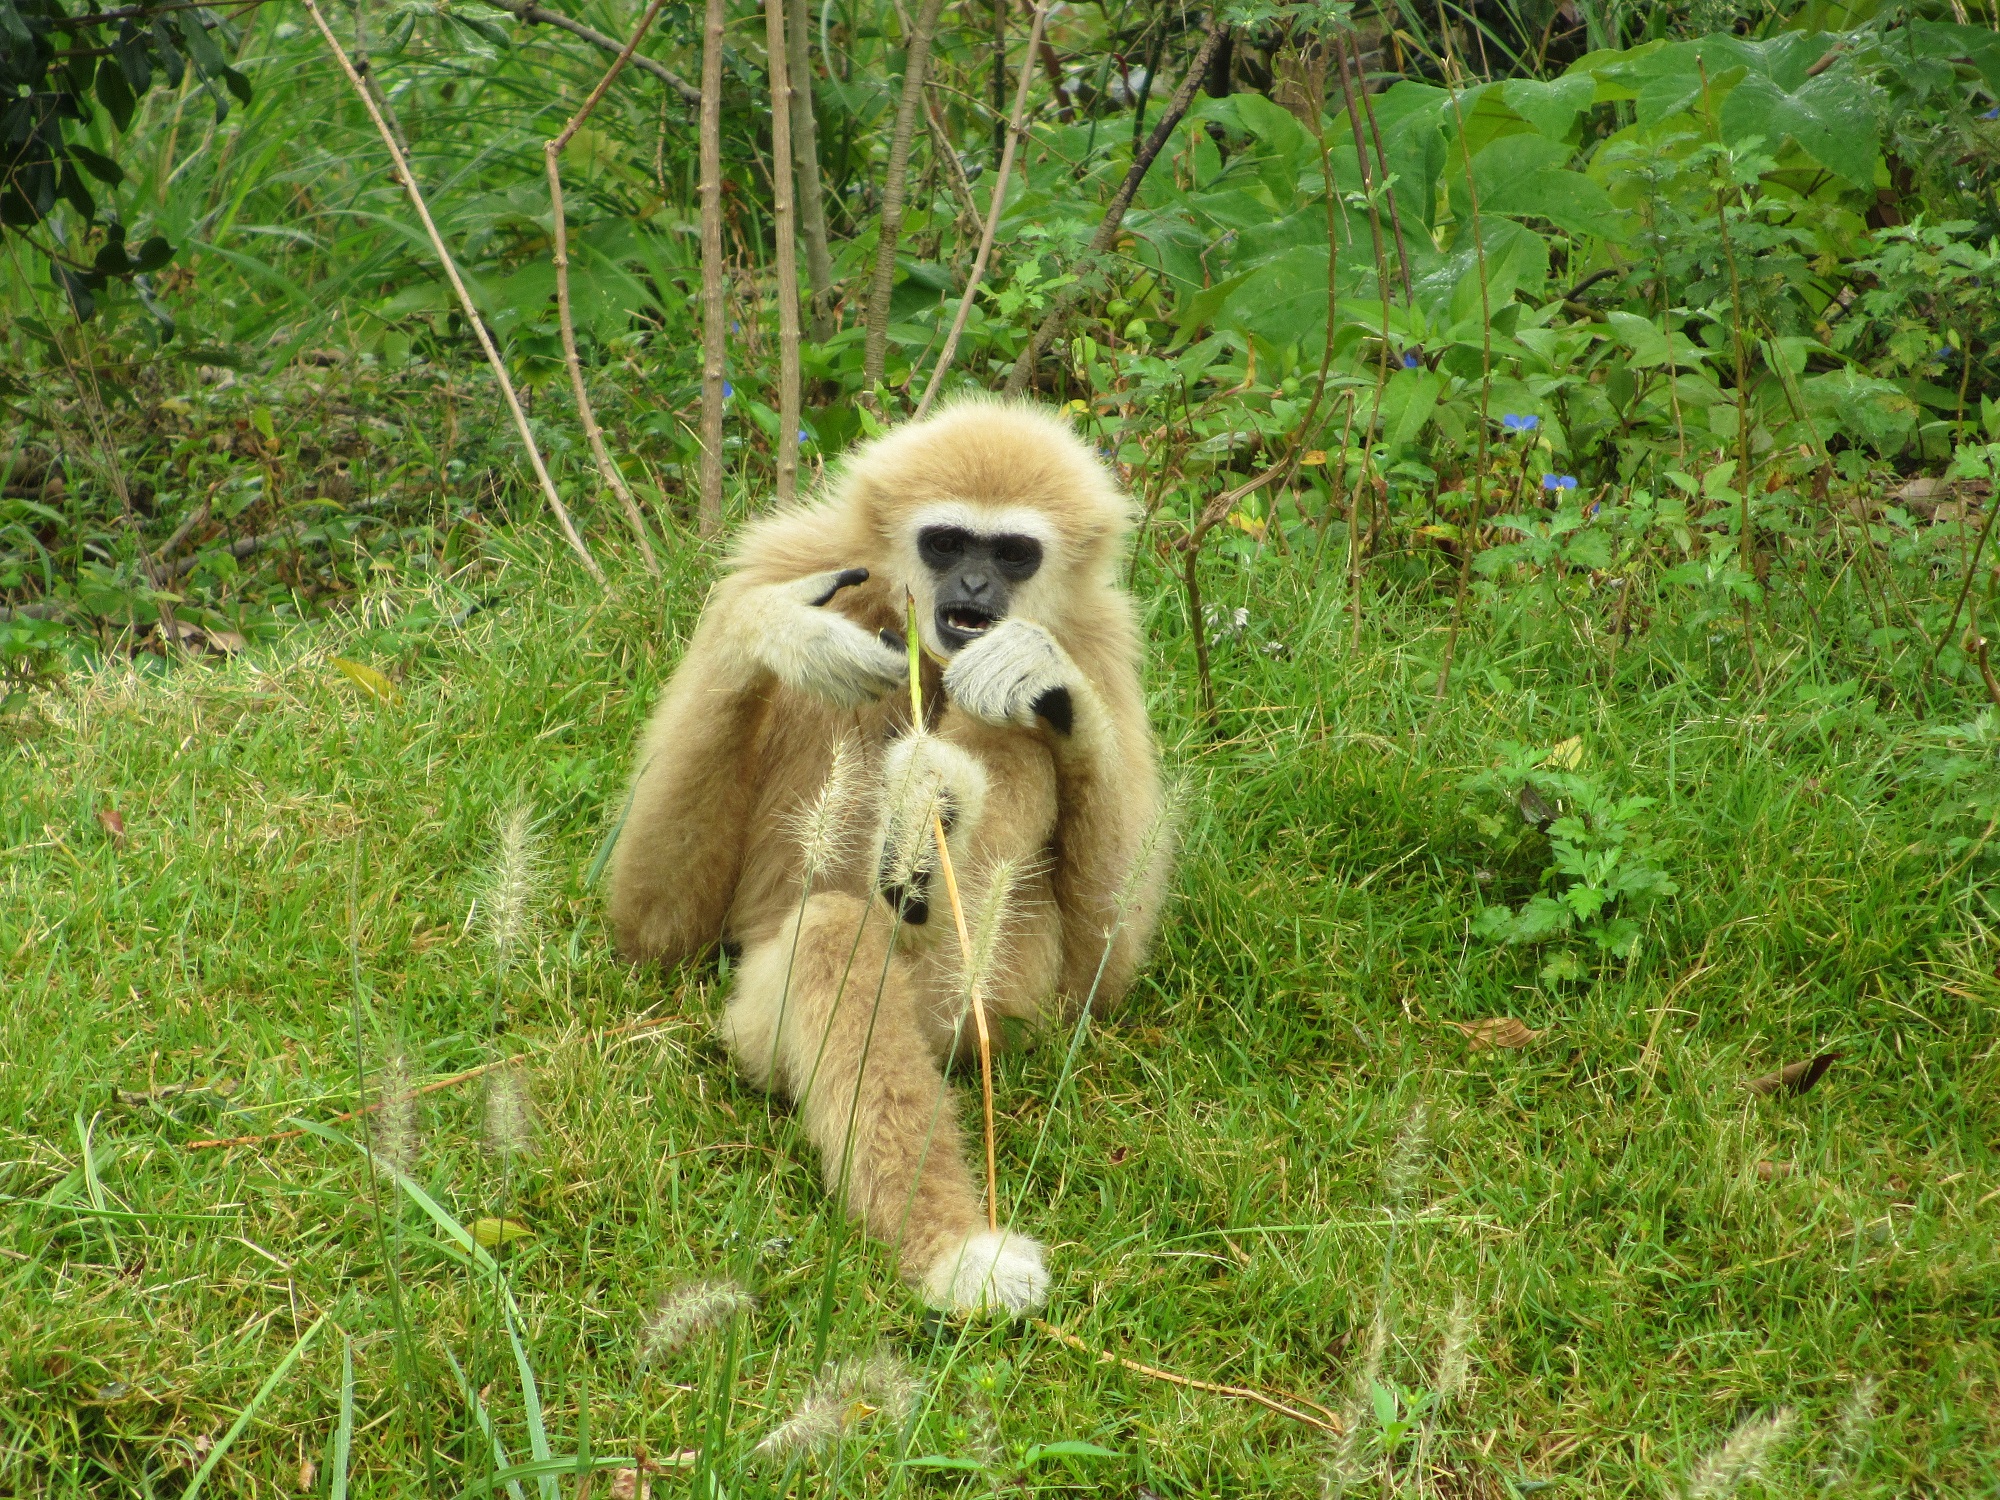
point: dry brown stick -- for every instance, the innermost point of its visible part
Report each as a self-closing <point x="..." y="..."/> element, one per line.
<point x="551" y="152"/>
<point x="954" y="169"/>
<point x="999" y="202"/>
<point x="785" y="230"/>
<point x="713" y="327"/>
<point x="219" y="1142"/>
<point x="530" y="14"/>
<point x="464" y="297"/>
<point x="1315" y="1416"/>
<point x="1114" y="216"/>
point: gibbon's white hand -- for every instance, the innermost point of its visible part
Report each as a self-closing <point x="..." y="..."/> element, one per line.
<point x="820" y="651"/>
<point x="1013" y="674"/>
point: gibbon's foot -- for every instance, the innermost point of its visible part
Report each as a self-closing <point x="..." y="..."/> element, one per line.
<point x="1014" y="674"/>
<point x="822" y="652"/>
<point x="988" y="1271"/>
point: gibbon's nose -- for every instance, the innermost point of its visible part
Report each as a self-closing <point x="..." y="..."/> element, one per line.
<point x="974" y="584"/>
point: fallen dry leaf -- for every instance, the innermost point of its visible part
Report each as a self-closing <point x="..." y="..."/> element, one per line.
<point x="1566" y="756"/>
<point x="228" y="642"/>
<point x="490" y="1232"/>
<point x="1497" y="1031"/>
<point x="1794" y="1078"/>
<point x="1536" y="809"/>
<point x="365" y="677"/>
<point x="1771" y="1171"/>
<point x="308" y="1475"/>
<point x="112" y="823"/>
<point x="626" y="1484"/>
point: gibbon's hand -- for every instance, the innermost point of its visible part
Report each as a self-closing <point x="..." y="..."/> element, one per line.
<point x="923" y="776"/>
<point x="822" y="652"/>
<point x="1013" y="674"/>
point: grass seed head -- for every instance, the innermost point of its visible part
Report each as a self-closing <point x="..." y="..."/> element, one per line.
<point x="510" y="887"/>
<point x="1407" y="1156"/>
<point x="691" y="1312"/>
<point x="510" y="1112"/>
<point x="397" y="1138"/>
<point x="842" y="1398"/>
<point x="822" y="830"/>
<point x="1852" y="1432"/>
<point x="909" y="808"/>
<point x="1455" y="1359"/>
<point x="989" y="923"/>
<point x="1741" y="1459"/>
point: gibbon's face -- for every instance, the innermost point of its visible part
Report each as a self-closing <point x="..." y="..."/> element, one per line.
<point x="976" y="566"/>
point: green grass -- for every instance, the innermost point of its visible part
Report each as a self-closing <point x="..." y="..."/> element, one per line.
<point x="296" y="853"/>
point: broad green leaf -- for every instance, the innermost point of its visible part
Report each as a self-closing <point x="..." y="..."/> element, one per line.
<point x="1832" y="118"/>
<point x="1552" y="106"/>
<point x="365" y="677"/>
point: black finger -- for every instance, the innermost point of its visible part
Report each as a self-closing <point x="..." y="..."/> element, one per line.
<point x="1055" y="706"/>
<point x="845" y="578"/>
<point x="893" y="639"/>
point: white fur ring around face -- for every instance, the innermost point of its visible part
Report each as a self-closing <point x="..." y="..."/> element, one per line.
<point x="1010" y="675"/>
<point x="988" y="1271"/>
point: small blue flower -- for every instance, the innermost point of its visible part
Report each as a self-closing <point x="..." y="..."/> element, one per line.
<point x="803" y="437"/>
<point x="1944" y="353"/>
<point x="1992" y="114"/>
<point x="1558" y="481"/>
<point x="728" y="390"/>
<point x="1515" y="423"/>
<point x="1593" y="508"/>
<point x="1410" y="360"/>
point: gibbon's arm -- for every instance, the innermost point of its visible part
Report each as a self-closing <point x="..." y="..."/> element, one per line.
<point x="674" y="871"/>
<point x="1108" y="841"/>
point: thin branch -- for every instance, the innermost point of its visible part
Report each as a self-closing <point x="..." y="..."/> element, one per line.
<point x="811" y="195"/>
<point x="531" y="14"/>
<point x="785" y="230"/>
<point x="551" y="152"/>
<point x="999" y="202"/>
<point x="713" y="327"/>
<point x="1298" y="1408"/>
<point x="916" y="61"/>
<point x="1114" y="216"/>
<point x="464" y="297"/>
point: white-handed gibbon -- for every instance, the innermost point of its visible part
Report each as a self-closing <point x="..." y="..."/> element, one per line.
<point x="850" y="996"/>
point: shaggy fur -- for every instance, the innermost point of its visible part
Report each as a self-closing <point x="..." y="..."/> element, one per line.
<point x="850" y="1012"/>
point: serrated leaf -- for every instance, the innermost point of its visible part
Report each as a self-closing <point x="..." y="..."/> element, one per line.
<point x="365" y="677"/>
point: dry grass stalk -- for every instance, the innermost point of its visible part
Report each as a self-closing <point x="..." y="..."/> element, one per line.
<point x="999" y="202"/>
<point x="465" y="302"/>
<point x="551" y="151"/>
<point x="785" y="228"/>
<point x="713" y="324"/>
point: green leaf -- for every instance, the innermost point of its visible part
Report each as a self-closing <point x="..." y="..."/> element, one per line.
<point x="1067" y="1448"/>
<point x="208" y="58"/>
<point x="1552" y="106"/>
<point x="102" y="167"/>
<point x="243" y="1417"/>
<point x="1832" y="118"/>
<point x="114" y="93"/>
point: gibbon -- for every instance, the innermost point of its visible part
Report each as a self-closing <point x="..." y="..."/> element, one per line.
<point x="1036" y="752"/>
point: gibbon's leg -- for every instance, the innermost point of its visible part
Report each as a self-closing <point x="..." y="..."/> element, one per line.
<point x="680" y="854"/>
<point x="829" y="1012"/>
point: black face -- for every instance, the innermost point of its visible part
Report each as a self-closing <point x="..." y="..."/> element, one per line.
<point x="973" y="578"/>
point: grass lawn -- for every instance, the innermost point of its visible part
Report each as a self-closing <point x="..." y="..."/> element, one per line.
<point x="1281" y="1166"/>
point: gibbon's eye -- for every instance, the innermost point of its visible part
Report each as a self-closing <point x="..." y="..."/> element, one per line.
<point x="941" y="546"/>
<point x="1018" y="556"/>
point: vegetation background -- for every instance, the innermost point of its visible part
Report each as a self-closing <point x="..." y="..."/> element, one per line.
<point x="1566" y="437"/>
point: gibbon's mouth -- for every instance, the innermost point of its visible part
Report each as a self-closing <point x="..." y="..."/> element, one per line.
<point x="960" y="624"/>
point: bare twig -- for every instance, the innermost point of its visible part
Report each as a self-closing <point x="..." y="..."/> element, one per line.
<point x="464" y="297"/>
<point x="1298" y="1408"/>
<point x="999" y="202"/>
<point x="805" y="158"/>
<point x="551" y="152"/>
<point x="1114" y="216"/>
<point x="954" y="169"/>
<point x="531" y="14"/>
<point x="916" y="60"/>
<point x="785" y="231"/>
<point x="713" y="326"/>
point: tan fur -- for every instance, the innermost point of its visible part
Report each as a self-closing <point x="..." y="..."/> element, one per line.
<point x="836" y="1004"/>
